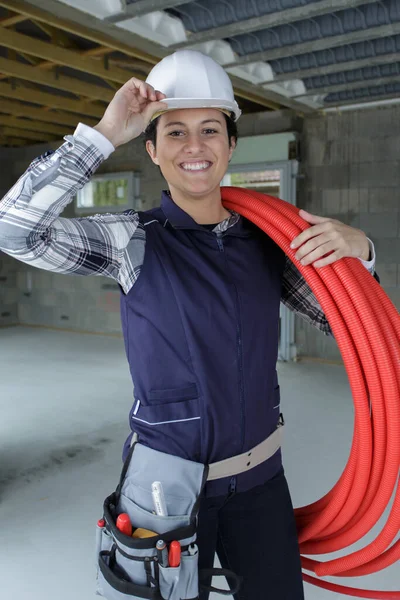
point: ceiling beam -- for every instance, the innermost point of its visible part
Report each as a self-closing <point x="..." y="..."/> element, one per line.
<point x="24" y="110"/>
<point x="27" y="135"/>
<point x="108" y="35"/>
<point x="75" y="27"/>
<point x="143" y="7"/>
<point x="28" y="124"/>
<point x="340" y="67"/>
<point x="48" y="65"/>
<point x="10" y="21"/>
<point x="51" y="100"/>
<point x="281" y="17"/>
<point x="371" y="99"/>
<point x="57" y="36"/>
<point x="4" y="141"/>
<point x="320" y="44"/>
<point x="357" y="85"/>
<point x="95" y="52"/>
<point x="68" y="58"/>
<point x="12" y="68"/>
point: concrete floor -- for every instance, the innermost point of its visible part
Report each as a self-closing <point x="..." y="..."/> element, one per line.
<point x="64" y="401"/>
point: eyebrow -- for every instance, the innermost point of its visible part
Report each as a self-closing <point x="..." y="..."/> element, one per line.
<point x="174" y="123"/>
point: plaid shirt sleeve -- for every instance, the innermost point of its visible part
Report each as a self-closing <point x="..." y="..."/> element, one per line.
<point x="32" y="231"/>
<point x="299" y="297"/>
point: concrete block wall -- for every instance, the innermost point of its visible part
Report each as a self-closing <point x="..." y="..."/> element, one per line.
<point x="351" y="172"/>
<point x="9" y="295"/>
<point x="8" y="291"/>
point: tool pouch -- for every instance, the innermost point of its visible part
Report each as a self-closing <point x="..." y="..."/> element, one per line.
<point x="128" y="566"/>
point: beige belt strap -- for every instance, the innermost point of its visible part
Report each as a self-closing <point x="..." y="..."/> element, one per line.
<point x="247" y="460"/>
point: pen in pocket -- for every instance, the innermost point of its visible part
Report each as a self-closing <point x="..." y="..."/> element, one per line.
<point x="158" y="499"/>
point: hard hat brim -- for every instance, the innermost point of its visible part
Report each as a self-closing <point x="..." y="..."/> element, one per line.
<point x="221" y="104"/>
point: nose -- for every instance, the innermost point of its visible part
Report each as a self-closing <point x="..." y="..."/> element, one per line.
<point x="194" y="144"/>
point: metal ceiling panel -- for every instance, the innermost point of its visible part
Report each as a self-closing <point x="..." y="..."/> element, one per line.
<point x="342" y="54"/>
<point x="352" y="76"/>
<point x="206" y="14"/>
<point x="385" y="12"/>
<point x="367" y="93"/>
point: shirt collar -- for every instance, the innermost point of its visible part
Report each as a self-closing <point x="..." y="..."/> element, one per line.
<point x="178" y="218"/>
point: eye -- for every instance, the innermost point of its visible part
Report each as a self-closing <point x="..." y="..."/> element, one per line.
<point x="209" y="130"/>
<point x="176" y="133"/>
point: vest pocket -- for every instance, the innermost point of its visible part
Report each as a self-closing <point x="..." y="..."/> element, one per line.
<point x="171" y="422"/>
<point x="187" y="392"/>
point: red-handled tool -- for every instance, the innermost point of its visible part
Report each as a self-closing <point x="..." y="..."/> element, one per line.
<point x="174" y="557"/>
<point x="124" y="524"/>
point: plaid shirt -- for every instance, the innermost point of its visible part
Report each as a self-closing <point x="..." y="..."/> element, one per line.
<point x="112" y="245"/>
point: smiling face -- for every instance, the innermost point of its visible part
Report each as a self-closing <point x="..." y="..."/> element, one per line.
<point x="192" y="151"/>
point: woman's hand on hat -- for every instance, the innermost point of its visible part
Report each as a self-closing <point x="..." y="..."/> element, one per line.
<point x="327" y="241"/>
<point x="130" y="111"/>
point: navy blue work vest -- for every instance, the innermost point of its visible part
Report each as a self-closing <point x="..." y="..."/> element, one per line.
<point x="201" y="335"/>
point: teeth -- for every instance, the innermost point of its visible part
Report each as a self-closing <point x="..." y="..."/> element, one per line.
<point x="195" y="166"/>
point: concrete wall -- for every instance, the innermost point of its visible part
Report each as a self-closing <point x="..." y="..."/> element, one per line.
<point x="351" y="169"/>
<point x="8" y="266"/>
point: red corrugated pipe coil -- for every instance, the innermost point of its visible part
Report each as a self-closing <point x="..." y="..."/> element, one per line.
<point x="366" y="326"/>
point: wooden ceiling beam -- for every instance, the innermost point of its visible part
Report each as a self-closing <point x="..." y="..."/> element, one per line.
<point x="57" y="36"/>
<point x="51" y="100"/>
<point x="98" y="51"/>
<point x="62" y="56"/>
<point x="32" y="12"/>
<point x="48" y="64"/>
<point x="28" y="124"/>
<point x="27" y="135"/>
<point x="61" y="118"/>
<point x="12" y="68"/>
<point x="31" y="59"/>
<point x="6" y="141"/>
<point x="10" y="21"/>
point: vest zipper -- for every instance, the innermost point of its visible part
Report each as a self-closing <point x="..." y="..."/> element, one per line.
<point x="239" y="351"/>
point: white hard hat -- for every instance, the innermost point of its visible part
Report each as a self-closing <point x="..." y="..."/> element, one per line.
<point x="191" y="79"/>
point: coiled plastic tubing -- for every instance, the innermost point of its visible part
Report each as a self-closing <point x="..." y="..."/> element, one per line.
<point x="366" y="326"/>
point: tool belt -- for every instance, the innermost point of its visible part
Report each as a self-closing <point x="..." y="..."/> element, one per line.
<point x="131" y="566"/>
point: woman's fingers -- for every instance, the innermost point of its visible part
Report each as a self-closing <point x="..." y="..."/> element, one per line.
<point x="321" y="251"/>
<point x="328" y="260"/>
<point x="327" y="225"/>
<point x="312" y="244"/>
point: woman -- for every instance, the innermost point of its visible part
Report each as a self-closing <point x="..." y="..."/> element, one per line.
<point x="200" y="295"/>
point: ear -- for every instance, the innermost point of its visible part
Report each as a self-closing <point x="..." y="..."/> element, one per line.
<point x="152" y="152"/>
<point x="232" y="147"/>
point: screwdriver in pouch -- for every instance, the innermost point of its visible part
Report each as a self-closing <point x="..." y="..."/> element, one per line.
<point x="162" y="553"/>
<point x="124" y="524"/>
<point x="174" y="556"/>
